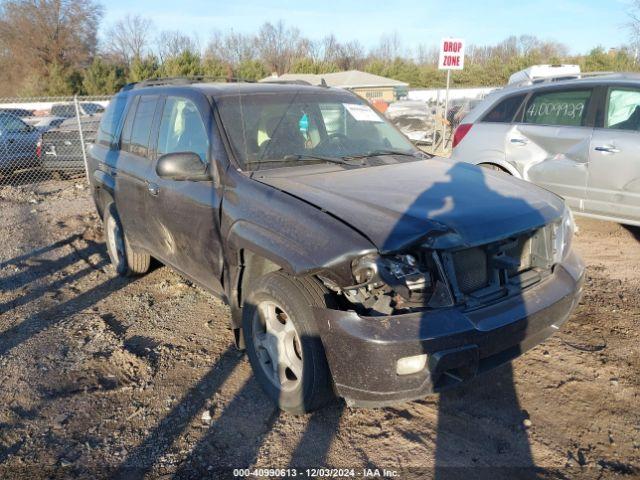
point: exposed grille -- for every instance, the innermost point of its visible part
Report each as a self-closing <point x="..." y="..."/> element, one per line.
<point x="521" y="251"/>
<point x="471" y="269"/>
<point x="485" y="271"/>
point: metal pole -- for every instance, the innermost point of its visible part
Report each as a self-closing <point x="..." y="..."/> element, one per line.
<point x="446" y="110"/>
<point x="84" y="151"/>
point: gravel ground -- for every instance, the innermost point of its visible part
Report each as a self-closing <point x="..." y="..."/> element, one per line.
<point x="108" y="377"/>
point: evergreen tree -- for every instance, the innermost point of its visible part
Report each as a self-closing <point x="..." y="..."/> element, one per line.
<point x="143" y="68"/>
<point x="103" y="78"/>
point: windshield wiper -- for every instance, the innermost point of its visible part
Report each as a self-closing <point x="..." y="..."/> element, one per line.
<point x="377" y="153"/>
<point x="299" y="157"/>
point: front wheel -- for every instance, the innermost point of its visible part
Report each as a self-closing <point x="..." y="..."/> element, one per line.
<point x="285" y="352"/>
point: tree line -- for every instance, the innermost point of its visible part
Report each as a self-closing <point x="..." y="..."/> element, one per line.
<point x="52" y="47"/>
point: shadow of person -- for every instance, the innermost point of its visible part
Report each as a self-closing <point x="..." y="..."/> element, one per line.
<point x="480" y="425"/>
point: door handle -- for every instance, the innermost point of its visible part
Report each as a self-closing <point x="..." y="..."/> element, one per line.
<point x="519" y="141"/>
<point x="153" y="188"/>
<point x="607" y="149"/>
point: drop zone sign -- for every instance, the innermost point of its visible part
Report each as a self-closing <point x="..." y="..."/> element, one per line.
<point x="451" y="54"/>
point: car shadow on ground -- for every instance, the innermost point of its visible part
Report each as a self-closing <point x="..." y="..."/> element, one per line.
<point x="141" y="460"/>
<point x="239" y="430"/>
<point x="30" y="268"/>
<point x="44" y="319"/>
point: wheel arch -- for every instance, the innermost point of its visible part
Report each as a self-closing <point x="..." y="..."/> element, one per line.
<point x="505" y="166"/>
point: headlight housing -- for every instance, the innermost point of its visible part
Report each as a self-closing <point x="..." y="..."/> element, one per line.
<point x="398" y="282"/>
<point x="563" y="236"/>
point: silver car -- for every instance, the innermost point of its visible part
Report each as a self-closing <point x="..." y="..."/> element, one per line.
<point x="578" y="138"/>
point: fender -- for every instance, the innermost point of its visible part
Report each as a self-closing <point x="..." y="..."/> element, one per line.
<point x="288" y="254"/>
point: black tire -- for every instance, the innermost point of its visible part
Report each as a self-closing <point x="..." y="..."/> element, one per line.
<point x="494" y="167"/>
<point x="125" y="260"/>
<point x="295" y="297"/>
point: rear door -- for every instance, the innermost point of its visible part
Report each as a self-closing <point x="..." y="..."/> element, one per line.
<point x="550" y="144"/>
<point x="132" y="167"/>
<point x="614" y="168"/>
<point x="183" y="216"/>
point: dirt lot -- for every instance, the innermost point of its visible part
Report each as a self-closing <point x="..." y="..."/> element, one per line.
<point x="102" y="376"/>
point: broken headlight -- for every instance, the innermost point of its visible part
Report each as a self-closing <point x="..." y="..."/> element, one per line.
<point x="402" y="282"/>
<point x="562" y="236"/>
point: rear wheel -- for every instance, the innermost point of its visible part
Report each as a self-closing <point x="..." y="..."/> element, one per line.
<point x="125" y="260"/>
<point x="285" y="351"/>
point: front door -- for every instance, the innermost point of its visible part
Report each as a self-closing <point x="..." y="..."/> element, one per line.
<point x="614" y="168"/>
<point x="552" y="142"/>
<point x="184" y="215"/>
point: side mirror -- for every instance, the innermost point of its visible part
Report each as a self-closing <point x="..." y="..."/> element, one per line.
<point x="182" y="166"/>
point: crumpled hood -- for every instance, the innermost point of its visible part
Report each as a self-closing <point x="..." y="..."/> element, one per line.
<point x="438" y="201"/>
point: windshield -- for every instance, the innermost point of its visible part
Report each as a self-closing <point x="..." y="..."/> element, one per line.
<point x="273" y="130"/>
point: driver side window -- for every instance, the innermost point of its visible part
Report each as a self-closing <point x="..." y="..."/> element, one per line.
<point x="182" y="129"/>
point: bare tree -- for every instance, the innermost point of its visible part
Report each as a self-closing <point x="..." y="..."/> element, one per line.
<point x="634" y="26"/>
<point x="278" y="46"/>
<point x="129" y="38"/>
<point x="172" y="43"/>
<point x="232" y="48"/>
<point x="38" y="35"/>
<point x="389" y="47"/>
<point x="428" y="55"/>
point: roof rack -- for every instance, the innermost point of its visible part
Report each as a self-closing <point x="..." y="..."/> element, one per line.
<point x="164" y="81"/>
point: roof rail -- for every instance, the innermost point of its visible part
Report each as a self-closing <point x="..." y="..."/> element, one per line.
<point x="164" y="81"/>
<point x="289" y="82"/>
<point x="560" y="78"/>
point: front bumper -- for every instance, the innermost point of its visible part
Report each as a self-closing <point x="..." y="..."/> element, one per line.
<point x="363" y="351"/>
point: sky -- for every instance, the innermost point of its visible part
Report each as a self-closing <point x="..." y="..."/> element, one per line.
<point x="580" y="24"/>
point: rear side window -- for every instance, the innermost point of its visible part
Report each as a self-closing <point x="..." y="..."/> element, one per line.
<point x="505" y="110"/>
<point x="139" y="142"/>
<point x="565" y="108"/>
<point x="623" y="110"/>
<point x="125" y="136"/>
<point x="110" y="120"/>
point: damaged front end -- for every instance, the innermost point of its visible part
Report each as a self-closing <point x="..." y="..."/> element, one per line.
<point x="391" y="284"/>
<point x="421" y="278"/>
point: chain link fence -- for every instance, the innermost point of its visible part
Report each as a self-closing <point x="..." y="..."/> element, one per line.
<point x="44" y="139"/>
